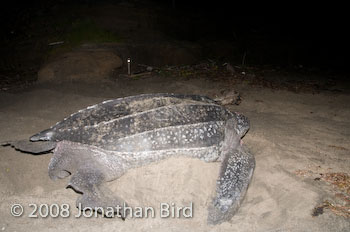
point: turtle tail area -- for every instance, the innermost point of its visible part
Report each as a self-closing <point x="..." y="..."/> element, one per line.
<point x="235" y="175"/>
<point x="35" y="148"/>
<point x="45" y="135"/>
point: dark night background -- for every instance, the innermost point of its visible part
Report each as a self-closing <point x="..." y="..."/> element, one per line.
<point x="290" y="35"/>
<point x="284" y="66"/>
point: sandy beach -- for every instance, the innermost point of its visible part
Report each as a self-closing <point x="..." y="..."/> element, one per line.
<point x="295" y="137"/>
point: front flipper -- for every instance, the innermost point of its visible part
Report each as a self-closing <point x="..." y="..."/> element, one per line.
<point x="96" y="196"/>
<point x="31" y="147"/>
<point x="235" y="174"/>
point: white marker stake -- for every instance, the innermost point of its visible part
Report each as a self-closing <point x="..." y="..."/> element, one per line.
<point x="129" y="66"/>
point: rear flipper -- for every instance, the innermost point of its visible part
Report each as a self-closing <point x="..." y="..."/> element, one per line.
<point x="235" y="174"/>
<point x="89" y="174"/>
<point x="96" y="196"/>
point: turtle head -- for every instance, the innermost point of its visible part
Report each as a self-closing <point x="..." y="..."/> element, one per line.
<point x="242" y="124"/>
<point x="45" y="135"/>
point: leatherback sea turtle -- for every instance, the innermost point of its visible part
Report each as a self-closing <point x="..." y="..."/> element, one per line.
<point x="100" y="143"/>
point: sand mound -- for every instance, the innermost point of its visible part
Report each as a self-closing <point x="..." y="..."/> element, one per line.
<point x="82" y="65"/>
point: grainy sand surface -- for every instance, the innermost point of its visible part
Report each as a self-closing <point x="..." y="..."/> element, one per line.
<point x="289" y="132"/>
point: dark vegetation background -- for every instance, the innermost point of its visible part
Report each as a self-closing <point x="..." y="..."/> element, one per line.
<point x="289" y="35"/>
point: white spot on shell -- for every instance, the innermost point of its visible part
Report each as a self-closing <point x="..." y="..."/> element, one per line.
<point x="91" y="107"/>
<point x="104" y="102"/>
